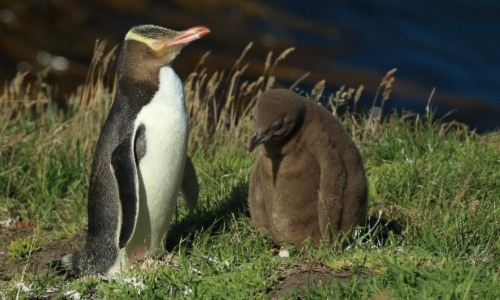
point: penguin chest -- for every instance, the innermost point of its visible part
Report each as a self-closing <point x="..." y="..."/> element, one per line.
<point x="161" y="168"/>
<point x="292" y="196"/>
<point x="160" y="173"/>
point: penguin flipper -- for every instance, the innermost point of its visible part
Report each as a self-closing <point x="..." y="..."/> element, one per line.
<point x="124" y="165"/>
<point x="331" y="188"/>
<point x="189" y="187"/>
<point x="256" y="199"/>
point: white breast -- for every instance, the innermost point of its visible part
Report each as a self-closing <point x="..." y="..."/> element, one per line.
<point x="161" y="169"/>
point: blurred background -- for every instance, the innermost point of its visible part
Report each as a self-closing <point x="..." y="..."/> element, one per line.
<point x="452" y="45"/>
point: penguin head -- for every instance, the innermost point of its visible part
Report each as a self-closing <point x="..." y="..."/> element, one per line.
<point x="150" y="47"/>
<point x="278" y="114"/>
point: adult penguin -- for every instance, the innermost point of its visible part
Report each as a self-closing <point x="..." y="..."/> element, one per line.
<point x="140" y="161"/>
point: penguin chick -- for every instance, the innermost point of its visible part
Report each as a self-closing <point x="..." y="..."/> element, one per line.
<point x="308" y="181"/>
<point x="140" y="161"/>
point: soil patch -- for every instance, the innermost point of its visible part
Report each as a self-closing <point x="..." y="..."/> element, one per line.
<point x="49" y="249"/>
<point x="305" y="276"/>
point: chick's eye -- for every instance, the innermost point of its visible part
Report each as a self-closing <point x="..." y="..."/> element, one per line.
<point x="276" y="125"/>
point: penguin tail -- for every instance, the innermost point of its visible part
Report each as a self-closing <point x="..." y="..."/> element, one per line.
<point x="58" y="265"/>
<point x="379" y="229"/>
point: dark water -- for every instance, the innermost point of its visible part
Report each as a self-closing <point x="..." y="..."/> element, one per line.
<point x="451" y="45"/>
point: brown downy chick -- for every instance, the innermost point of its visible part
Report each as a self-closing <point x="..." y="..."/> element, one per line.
<point x="308" y="180"/>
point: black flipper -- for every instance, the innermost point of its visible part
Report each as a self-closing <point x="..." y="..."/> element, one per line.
<point x="190" y="189"/>
<point x="140" y="143"/>
<point x="124" y="162"/>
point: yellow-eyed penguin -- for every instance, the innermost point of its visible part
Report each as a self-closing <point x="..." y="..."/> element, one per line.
<point x="308" y="181"/>
<point x="140" y="161"/>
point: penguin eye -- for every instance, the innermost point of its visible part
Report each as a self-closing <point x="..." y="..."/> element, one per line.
<point x="156" y="45"/>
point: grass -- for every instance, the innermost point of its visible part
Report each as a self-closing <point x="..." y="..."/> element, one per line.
<point x="438" y="179"/>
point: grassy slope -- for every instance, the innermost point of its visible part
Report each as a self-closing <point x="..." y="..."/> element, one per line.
<point x="440" y="181"/>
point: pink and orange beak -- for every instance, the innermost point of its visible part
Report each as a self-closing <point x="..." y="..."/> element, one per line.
<point x="187" y="36"/>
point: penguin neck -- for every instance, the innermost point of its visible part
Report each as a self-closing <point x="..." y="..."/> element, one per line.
<point x="164" y="85"/>
<point x="278" y="149"/>
<point x="170" y="88"/>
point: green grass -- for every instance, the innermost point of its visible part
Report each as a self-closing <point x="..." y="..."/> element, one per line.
<point x="440" y="180"/>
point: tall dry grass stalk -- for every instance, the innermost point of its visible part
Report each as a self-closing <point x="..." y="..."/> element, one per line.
<point x="19" y="97"/>
<point x="22" y="103"/>
<point x="89" y="105"/>
<point x="100" y="84"/>
<point x="338" y="104"/>
<point x="222" y="102"/>
<point x="375" y="116"/>
<point x="31" y="120"/>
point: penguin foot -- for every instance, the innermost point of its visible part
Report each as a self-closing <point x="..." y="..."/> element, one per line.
<point x="146" y="264"/>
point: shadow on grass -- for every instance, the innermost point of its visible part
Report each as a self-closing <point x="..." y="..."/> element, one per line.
<point x="216" y="215"/>
<point x="203" y="218"/>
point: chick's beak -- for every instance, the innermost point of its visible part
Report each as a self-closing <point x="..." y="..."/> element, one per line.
<point x="257" y="139"/>
<point x="187" y="36"/>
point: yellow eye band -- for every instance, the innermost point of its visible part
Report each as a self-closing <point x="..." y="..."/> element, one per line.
<point x="137" y="37"/>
